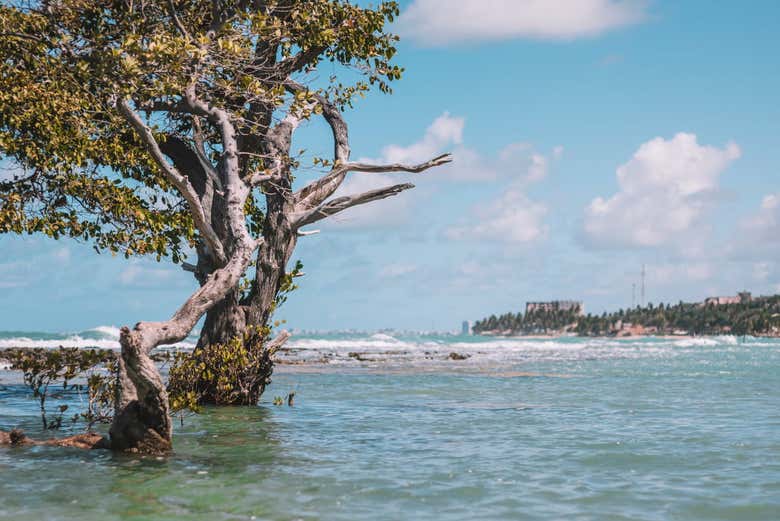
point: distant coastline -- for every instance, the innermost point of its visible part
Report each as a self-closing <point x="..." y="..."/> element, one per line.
<point x="741" y="315"/>
<point x="555" y="336"/>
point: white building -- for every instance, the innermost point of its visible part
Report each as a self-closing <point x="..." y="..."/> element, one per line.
<point x="556" y="305"/>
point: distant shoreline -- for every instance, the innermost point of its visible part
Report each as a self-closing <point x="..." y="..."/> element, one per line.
<point x="660" y="337"/>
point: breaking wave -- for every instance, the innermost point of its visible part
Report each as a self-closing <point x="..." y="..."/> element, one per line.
<point x="101" y="337"/>
<point x="423" y="350"/>
<point x="379" y="349"/>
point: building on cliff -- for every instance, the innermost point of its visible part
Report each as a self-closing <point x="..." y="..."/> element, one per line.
<point x="742" y="298"/>
<point x="555" y="305"/>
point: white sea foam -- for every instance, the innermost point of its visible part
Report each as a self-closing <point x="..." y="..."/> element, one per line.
<point x="107" y="331"/>
<point x="101" y="337"/>
<point x="71" y="341"/>
<point x="701" y="342"/>
<point x="382" y="336"/>
<point x="382" y="348"/>
<point x="385" y="349"/>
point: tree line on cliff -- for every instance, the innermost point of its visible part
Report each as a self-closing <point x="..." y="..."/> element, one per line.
<point x="536" y="321"/>
<point x="760" y="316"/>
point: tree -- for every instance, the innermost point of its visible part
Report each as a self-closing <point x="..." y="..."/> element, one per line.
<point x="287" y="213"/>
<point x="154" y="127"/>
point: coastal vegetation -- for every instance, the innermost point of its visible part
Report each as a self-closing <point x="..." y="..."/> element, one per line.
<point x="166" y="129"/>
<point x="759" y="316"/>
<point x="534" y="322"/>
<point x="226" y="374"/>
<point x="84" y="371"/>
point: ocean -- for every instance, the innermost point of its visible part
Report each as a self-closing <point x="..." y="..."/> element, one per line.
<point x="404" y="426"/>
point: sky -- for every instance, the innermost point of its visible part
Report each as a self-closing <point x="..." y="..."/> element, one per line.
<point x="589" y="137"/>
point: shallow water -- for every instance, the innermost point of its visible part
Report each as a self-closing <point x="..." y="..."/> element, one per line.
<point x="577" y="429"/>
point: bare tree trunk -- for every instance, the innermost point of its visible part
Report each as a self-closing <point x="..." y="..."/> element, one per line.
<point x="230" y="318"/>
<point x="141" y="422"/>
<point x="224" y="322"/>
<point x="272" y="258"/>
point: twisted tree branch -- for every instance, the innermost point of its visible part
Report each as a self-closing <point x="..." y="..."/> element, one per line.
<point x="340" y="204"/>
<point x="315" y="193"/>
<point x="176" y="178"/>
<point x="397" y="167"/>
<point x="219" y="284"/>
<point x="322" y="186"/>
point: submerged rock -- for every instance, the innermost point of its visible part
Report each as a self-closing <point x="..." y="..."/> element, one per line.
<point x="458" y="356"/>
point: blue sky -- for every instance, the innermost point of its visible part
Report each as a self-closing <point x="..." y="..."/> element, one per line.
<point x="590" y="137"/>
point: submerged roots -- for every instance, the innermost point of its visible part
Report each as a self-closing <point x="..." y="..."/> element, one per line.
<point x="88" y="440"/>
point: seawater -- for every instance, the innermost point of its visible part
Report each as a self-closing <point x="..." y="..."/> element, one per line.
<point x="601" y="429"/>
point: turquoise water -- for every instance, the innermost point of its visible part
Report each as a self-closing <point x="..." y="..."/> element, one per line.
<point x="683" y="429"/>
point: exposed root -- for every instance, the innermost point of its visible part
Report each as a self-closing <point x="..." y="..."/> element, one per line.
<point x="90" y="440"/>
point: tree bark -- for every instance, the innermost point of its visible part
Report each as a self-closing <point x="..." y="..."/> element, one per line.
<point x="142" y="419"/>
<point x="224" y="322"/>
<point x="231" y="318"/>
<point x="272" y="259"/>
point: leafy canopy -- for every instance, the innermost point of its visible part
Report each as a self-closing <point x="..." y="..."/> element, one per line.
<point x="79" y="170"/>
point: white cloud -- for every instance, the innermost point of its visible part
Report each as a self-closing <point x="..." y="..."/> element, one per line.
<point x="675" y="273"/>
<point x="442" y="22"/>
<point x="517" y="161"/>
<point x="14" y="275"/>
<point x="469" y="269"/>
<point x="442" y="135"/>
<point x="9" y="170"/>
<point x="665" y="190"/>
<point x="444" y="132"/>
<point x="517" y="155"/>
<point x="512" y="218"/>
<point x="25" y="261"/>
<point x="756" y="238"/>
<point x="765" y="224"/>
<point x="538" y="169"/>
<point x="762" y="271"/>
